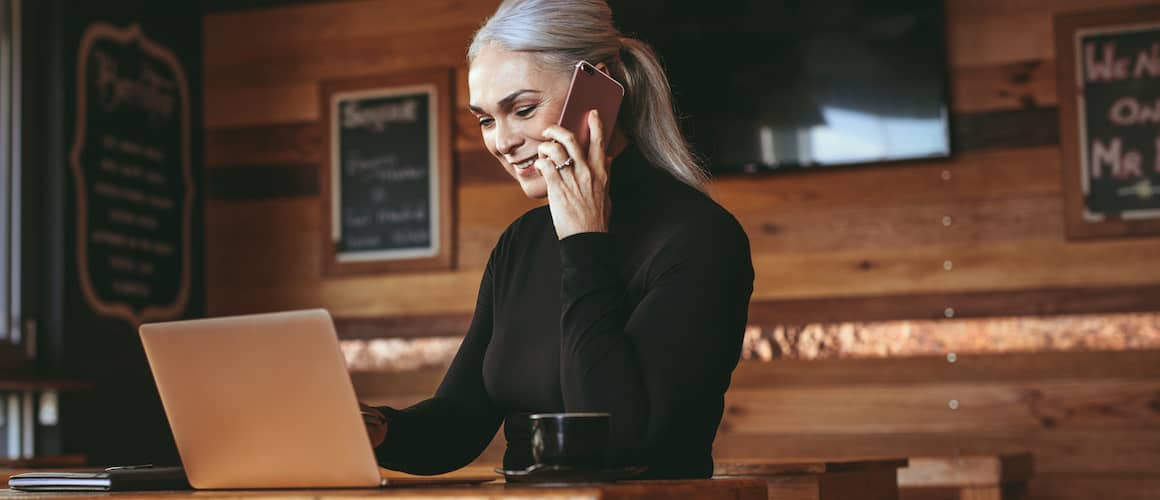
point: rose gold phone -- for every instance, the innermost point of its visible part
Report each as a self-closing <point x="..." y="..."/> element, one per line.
<point x="591" y="89"/>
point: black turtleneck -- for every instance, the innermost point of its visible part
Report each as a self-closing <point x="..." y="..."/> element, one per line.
<point x="644" y="322"/>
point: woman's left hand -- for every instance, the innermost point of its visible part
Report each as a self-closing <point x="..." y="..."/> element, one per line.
<point x="578" y="195"/>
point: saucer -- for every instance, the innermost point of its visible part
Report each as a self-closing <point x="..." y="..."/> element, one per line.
<point x="560" y="474"/>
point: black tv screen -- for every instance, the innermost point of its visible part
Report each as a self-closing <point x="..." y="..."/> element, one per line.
<point x="772" y="85"/>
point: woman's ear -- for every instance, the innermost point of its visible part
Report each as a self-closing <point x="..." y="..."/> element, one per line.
<point x="603" y="67"/>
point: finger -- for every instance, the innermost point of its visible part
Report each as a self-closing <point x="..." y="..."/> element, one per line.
<point x="596" y="144"/>
<point x="553" y="151"/>
<point x="567" y="139"/>
<point x="551" y="176"/>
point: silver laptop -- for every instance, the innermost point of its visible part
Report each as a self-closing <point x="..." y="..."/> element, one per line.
<point x="265" y="401"/>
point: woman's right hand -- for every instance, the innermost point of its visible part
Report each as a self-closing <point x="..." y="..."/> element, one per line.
<point x="376" y="424"/>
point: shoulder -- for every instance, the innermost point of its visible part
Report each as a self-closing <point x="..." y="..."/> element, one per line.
<point x="521" y="231"/>
<point x="698" y="221"/>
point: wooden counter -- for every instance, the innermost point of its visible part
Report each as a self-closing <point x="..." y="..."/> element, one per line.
<point x="699" y="489"/>
<point x="820" y="479"/>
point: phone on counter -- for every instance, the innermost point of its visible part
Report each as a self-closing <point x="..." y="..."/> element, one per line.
<point x="591" y="89"/>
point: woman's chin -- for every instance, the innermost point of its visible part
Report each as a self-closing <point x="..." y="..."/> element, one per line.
<point x="534" y="188"/>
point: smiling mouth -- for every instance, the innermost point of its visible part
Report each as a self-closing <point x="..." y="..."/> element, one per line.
<point x="523" y="165"/>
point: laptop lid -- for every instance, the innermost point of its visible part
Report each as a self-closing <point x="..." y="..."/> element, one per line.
<point x="260" y="401"/>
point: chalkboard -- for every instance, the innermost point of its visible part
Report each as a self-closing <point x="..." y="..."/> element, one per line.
<point x="387" y="198"/>
<point x="1110" y="109"/>
<point x="131" y="163"/>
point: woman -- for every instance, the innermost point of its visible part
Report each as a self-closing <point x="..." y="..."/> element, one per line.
<point x="626" y="294"/>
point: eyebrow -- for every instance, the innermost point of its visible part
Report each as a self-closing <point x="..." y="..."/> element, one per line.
<point x="506" y="102"/>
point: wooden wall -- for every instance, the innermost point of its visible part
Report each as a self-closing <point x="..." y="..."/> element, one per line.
<point x="1091" y="420"/>
<point x="853" y="244"/>
<point x="861" y="243"/>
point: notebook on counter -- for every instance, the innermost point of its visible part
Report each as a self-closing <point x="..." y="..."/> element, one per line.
<point x="111" y="479"/>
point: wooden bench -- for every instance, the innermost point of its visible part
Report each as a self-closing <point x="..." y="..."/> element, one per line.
<point x="971" y="477"/>
<point x="816" y="479"/>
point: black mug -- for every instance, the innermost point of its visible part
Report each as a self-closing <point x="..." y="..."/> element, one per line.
<point x="570" y="439"/>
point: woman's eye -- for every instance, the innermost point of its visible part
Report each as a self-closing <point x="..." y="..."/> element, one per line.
<point x="485" y="122"/>
<point x="525" y="112"/>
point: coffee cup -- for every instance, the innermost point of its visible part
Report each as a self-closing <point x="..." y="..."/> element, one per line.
<point x="577" y="440"/>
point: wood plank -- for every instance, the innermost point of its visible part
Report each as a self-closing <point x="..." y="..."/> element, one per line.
<point x="725" y="488"/>
<point x="770" y="314"/>
<point x="442" y="47"/>
<point x="269" y="242"/>
<point x="870" y="484"/>
<point x="256" y="35"/>
<point x="969" y="176"/>
<point x="1016" y="128"/>
<point x="692" y="489"/>
<point x="1000" y="266"/>
<point x="1015" y="85"/>
<point x="467" y="133"/>
<point x="272" y="75"/>
<point x="933" y="306"/>
<point x="292" y="102"/>
<point x="290" y="143"/>
<point x="478" y="166"/>
<point x="485" y="211"/>
<point x="903" y="225"/>
<point x="394" y="294"/>
<point x="1078" y="487"/>
<point x="875" y="484"/>
<point x="980" y="39"/>
<point x="414" y="385"/>
<point x="987" y="32"/>
<point x="966" y="471"/>
<point x="218" y="6"/>
<point x="384" y="327"/>
<point x="1056" y="451"/>
<point x="280" y="240"/>
<point x="783" y="467"/>
<point x="978" y="368"/>
<point x="1079" y="404"/>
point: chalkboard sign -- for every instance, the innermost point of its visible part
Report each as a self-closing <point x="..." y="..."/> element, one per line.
<point x="1110" y="114"/>
<point x="388" y="177"/>
<point x="131" y="162"/>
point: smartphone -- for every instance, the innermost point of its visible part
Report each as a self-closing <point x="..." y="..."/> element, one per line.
<point x="591" y="89"/>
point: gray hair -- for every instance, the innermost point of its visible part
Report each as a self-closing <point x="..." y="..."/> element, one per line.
<point x="561" y="33"/>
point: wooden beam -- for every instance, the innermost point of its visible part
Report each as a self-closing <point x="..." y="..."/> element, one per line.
<point x="1041" y="302"/>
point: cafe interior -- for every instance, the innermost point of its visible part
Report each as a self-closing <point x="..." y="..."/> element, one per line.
<point x="952" y="209"/>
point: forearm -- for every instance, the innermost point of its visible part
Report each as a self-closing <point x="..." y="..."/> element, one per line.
<point x="434" y="437"/>
<point x="599" y="370"/>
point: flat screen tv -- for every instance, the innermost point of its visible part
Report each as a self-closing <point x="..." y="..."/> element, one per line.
<point x="777" y="85"/>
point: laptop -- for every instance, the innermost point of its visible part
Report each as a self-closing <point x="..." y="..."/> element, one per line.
<point x="265" y="401"/>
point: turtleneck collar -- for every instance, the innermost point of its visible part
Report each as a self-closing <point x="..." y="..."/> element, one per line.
<point x="628" y="169"/>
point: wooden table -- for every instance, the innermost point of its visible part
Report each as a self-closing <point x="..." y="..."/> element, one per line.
<point x="697" y="489"/>
<point x="816" y="479"/>
<point x="970" y="477"/>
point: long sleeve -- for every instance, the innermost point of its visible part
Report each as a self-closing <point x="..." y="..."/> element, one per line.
<point x="452" y="428"/>
<point x="662" y="368"/>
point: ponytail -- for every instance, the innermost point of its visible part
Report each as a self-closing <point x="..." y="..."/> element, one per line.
<point x="648" y="115"/>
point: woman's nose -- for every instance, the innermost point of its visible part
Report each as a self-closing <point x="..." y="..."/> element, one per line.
<point x="507" y="139"/>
